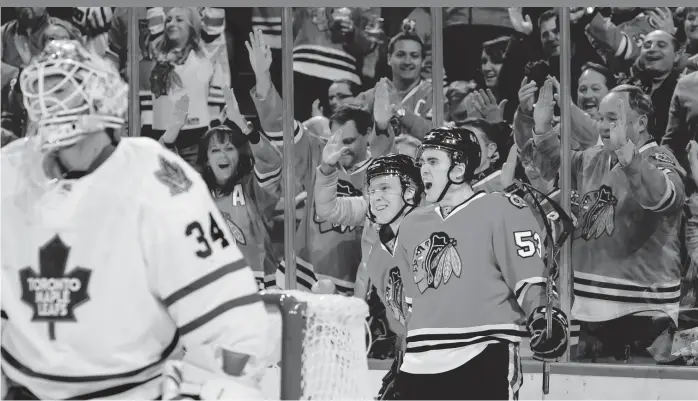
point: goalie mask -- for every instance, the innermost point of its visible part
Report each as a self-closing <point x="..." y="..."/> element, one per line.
<point x="388" y="180"/>
<point x="70" y="93"/>
<point x="456" y="146"/>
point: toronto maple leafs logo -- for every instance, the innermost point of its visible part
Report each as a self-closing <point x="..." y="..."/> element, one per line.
<point x="344" y="188"/>
<point x="52" y="294"/>
<point x="434" y="261"/>
<point x="394" y="295"/>
<point x="172" y="175"/>
<point x="234" y="229"/>
<point x="597" y="210"/>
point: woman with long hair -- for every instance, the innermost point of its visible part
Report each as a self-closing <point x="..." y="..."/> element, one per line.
<point x="181" y="68"/>
<point x="243" y="172"/>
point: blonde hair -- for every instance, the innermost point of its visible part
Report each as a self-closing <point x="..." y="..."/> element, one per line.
<point x="163" y="45"/>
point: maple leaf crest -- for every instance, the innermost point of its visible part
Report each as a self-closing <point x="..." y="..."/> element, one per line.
<point x="52" y="294"/>
<point x="172" y="175"/>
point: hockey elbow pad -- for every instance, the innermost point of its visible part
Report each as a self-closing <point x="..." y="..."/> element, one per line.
<point x="548" y="348"/>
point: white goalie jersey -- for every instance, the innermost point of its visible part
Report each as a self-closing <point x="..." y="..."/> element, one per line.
<point x="107" y="276"/>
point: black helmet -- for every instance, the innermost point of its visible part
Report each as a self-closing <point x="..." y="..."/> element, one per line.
<point x="459" y="142"/>
<point x="401" y="166"/>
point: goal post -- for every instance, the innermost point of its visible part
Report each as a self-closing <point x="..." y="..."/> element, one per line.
<point x="323" y="345"/>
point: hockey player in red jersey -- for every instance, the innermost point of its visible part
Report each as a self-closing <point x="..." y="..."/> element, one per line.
<point x="118" y="257"/>
<point x="325" y="250"/>
<point x="479" y="284"/>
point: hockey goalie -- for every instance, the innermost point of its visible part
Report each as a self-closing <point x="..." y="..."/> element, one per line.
<point x="119" y="279"/>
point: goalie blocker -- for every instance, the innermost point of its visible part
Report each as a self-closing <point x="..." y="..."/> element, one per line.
<point x="480" y="282"/>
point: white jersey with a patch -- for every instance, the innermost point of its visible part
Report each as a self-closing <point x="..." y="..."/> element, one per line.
<point x="106" y="276"/>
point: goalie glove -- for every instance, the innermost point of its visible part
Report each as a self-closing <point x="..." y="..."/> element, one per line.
<point x="92" y="21"/>
<point x="185" y="381"/>
<point x="544" y="348"/>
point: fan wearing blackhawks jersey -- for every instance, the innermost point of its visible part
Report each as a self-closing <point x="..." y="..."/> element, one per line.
<point x="411" y="95"/>
<point x="326" y="250"/>
<point x="626" y="249"/>
<point x="118" y="257"/>
<point x="243" y="170"/>
<point x="479" y="285"/>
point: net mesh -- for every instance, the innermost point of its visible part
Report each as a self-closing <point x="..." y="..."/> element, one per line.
<point x="334" y="364"/>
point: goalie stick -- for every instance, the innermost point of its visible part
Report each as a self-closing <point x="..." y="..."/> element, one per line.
<point x="553" y="246"/>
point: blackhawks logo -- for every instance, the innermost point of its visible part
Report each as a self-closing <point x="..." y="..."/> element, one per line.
<point x="234" y="229"/>
<point x="344" y="188"/>
<point x="394" y="295"/>
<point x="597" y="210"/>
<point x="434" y="261"/>
<point x="53" y="294"/>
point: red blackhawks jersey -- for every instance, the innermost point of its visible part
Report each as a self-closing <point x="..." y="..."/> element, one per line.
<point x="106" y="276"/>
<point x="477" y="275"/>
<point x="625" y="250"/>
<point x="385" y="274"/>
<point x="418" y="100"/>
<point x="249" y="208"/>
<point x="325" y="250"/>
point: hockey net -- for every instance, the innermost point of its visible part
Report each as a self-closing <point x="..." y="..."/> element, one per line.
<point x="325" y="335"/>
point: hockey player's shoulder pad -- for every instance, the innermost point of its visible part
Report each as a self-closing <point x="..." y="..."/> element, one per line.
<point x="165" y="174"/>
<point x="416" y="218"/>
<point x="18" y="159"/>
<point x="502" y="198"/>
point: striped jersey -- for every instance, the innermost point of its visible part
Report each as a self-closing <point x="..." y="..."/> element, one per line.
<point x="419" y="101"/>
<point x="210" y="102"/>
<point x="325" y="250"/>
<point x="625" y="250"/>
<point x="385" y="274"/>
<point x="268" y="20"/>
<point x="106" y="276"/>
<point x="249" y="208"/>
<point x="316" y="53"/>
<point x="477" y="275"/>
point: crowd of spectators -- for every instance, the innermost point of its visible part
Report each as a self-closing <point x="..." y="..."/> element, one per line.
<point x="205" y="73"/>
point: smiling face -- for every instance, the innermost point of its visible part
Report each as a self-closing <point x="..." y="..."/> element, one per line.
<point x="406" y="60"/>
<point x="490" y="70"/>
<point x="658" y="53"/>
<point x="592" y="88"/>
<point x="177" y="26"/>
<point x="385" y="198"/>
<point x="222" y="156"/>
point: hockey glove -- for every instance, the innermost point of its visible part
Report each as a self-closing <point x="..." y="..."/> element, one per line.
<point x="387" y="391"/>
<point x="544" y="348"/>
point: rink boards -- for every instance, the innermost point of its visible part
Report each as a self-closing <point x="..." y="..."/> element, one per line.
<point x="573" y="382"/>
